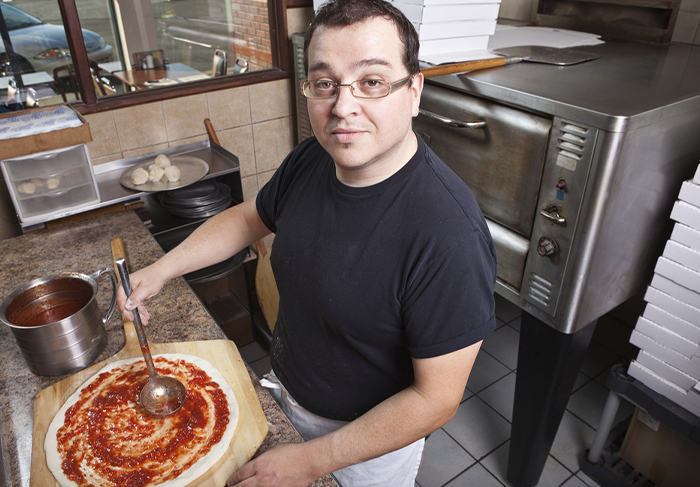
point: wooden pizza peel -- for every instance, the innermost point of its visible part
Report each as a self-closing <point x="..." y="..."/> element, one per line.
<point x="250" y="431"/>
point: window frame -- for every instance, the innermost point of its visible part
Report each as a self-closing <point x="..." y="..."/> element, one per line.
<point x="91" y="103"/>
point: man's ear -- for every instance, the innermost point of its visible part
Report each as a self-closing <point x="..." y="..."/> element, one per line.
<point x="416" y="90"/>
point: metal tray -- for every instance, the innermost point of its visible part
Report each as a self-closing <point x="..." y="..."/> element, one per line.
<point x="192" y="169"/>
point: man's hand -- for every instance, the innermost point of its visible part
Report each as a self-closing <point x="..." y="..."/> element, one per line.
<point x="145" y="283"/>
<point x="285" y="465"/>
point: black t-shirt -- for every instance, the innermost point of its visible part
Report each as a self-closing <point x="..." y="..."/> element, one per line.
<point x="371" y="277"/>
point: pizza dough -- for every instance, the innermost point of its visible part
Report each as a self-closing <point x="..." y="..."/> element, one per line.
<point x="162" y="161"/>
<point x="172" y="173"/>
<point x="107" y="433"/>
<point x="139" y="176"/>
<point x="155" y="173"/>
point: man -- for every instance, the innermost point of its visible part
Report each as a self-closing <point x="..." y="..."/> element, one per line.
<point x="383" y="261"/>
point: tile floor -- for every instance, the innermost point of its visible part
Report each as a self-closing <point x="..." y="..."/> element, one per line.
<point x="472" y="449"/>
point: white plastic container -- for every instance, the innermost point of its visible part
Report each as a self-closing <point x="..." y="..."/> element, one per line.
<point x="49" y="185"/>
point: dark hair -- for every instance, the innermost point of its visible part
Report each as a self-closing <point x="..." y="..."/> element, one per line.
<point x="343" y="13"/>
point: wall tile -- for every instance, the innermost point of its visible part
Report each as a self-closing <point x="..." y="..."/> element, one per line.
<point x="271" y="100"/>
<point x="273" y="141"/>
<point x="140" y="126"/>
<point x="515" y="9"/>
<point x="104" y="135"/>
<point x="96" y="161"/>
<point x="249" y="184"/>
<point x="686" y="27"/>
<point x="239" y="141"/>
<point x="229" y="108"/>
<point x="184" y="117"/>
<point x="298" y="19"/>
<point x="264" y="177"/>
<point x="145" y="150"/>
<point x="188" y="140"/>
<point x="690" y="5"/>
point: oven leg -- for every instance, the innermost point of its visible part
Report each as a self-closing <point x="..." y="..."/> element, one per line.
<point x="548" y="364"/>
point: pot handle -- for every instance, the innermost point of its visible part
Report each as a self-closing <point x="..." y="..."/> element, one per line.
<point x="115" y="283"/>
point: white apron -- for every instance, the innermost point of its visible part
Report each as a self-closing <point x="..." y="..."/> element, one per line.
<point x="395" y="469"/>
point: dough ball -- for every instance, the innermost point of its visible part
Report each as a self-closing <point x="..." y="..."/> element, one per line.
<point x="155" y="173"/>
<point x="172" y="173"/>
<point x="163" y="161"/>
<point x="27" y="188"/>
<point x="52" y="183"/>
<point x="139" y="176"/>
<point x="39" y="182"/>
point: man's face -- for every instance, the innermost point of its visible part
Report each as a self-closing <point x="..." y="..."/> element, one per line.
<point x="369" y="139"/>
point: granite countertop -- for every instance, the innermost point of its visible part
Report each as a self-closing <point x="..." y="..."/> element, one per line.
<point x="85" y="247"/>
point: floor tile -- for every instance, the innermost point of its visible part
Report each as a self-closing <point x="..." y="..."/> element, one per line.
<point x="503" y="346"/>
<point x="574" y="482"/>
<point x="505" y="310"/>
<point x="475" y="476"/>
<point x="478" y="428"/>
<point x="443" y="460"/>
<point x="515" y="324"/>
<point x="598" y="359"/>
<point x="261" y="366"/>
<point x="485" y="372"/>
<point x="553" y="474"/>
<point x="572" y="439"/>
<point x="588" y="402"/>
<point x="252" y="351"/>
<point x="499" y="396"/>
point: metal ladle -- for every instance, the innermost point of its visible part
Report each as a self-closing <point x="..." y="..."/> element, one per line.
<point x="161" y="395"/>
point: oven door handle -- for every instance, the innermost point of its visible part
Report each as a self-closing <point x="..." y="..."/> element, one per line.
<point x="453" y="123"/>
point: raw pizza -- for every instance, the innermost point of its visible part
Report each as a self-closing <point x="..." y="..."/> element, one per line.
<point x="103" y="437"/>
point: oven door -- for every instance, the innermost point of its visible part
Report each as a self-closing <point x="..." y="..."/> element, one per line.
<point x="499" y="152"/>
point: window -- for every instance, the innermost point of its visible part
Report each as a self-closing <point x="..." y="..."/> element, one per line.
<point x="134" y="50"/>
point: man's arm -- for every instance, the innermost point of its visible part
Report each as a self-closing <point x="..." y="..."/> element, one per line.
<point x="219" y="238"/>
<point x="426" y="405"/>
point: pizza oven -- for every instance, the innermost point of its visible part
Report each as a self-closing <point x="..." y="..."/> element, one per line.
<point x="576" y="169"/>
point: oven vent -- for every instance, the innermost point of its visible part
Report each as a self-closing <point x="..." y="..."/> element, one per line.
<point x="540" y="289"/>
<point x="571" y="142"/>
<point x="304" y="129"/>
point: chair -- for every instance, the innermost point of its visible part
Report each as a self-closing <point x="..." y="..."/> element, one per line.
<point x="219" y="65"/>
<point x="103" y="86"/>
<point x="69" y="80"/>
<point x="241" y="66"/>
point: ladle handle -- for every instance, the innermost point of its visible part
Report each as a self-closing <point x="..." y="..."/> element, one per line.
<point x="140" y="333"/>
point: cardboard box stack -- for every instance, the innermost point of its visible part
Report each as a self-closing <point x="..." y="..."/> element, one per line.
<point x="668" y="332"/>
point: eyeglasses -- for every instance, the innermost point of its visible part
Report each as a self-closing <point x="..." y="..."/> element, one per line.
<point x="321" y="89"/>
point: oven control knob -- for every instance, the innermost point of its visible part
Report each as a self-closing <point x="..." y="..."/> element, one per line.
<point x="547" y="247"/>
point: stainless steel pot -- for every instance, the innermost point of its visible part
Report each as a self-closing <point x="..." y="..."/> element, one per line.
<point x="57" y="323"/>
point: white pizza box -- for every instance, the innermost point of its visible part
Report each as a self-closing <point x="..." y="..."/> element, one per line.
<point x="442" y="13"/>
<point x="689" y="365"/>
<point x="667" y="371"/>
<point x="682" y="254"/>
<point x="690" y="193"/>
<point x="689" y="400"/>
<point x="679" y="292"/>
<point x="678" y="273"/>
<point x="686" y="213"/>
<point x="443" y="2"/>
<point x="460" y="28"/>
<point x="685" y="235"/>
<point x="672" y="322"/>
<point x="456" y="44"/>
<point x="670" y="339"/>
<point x="672" y="305"/>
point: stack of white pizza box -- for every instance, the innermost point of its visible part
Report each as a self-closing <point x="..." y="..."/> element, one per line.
<point x="668" y="332"/>
<point x="447" y="29"/>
